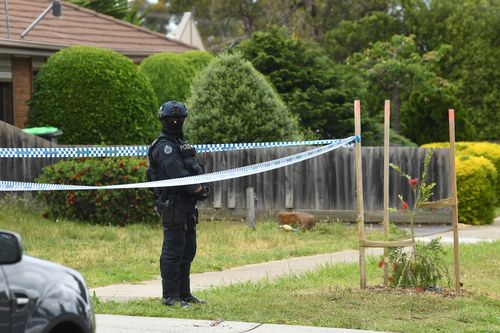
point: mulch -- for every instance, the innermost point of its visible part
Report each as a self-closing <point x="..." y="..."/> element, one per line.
<point x="443" y="292"/>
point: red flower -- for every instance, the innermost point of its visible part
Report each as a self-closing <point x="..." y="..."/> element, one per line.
<point x="380" y="264"/>
<point x="70" y="199"/>
<point x="413" y="182"/>
<point x="404" y="205"/>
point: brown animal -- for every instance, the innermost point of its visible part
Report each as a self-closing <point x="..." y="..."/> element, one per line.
<point x="304" y="220"/>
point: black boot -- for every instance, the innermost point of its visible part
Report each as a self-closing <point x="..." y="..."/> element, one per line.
<point x="172" y="301"/>
<point x="193" y="300"/>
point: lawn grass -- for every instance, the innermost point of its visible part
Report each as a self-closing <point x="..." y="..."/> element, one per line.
<point x="109" y="255"/>
<point x="331" y="297"/>
<point x="497" y="211"/>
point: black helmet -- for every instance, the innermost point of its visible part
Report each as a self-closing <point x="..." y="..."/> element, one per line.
<point x="172" y="109"/>
<point x="172" y="115"/>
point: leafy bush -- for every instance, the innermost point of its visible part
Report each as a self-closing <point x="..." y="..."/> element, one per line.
<point x="171" y="74"/>
<point x="424" y="265"/>
<point x="373" y="135"/>
<point x="109" y="207"/>
<point x="198" y="59"/>
<point x="476" y="177"/>
<point x="95" y="96"/>
<point x="428" y="108"/>
<point x="489" y="150"/>
<point x="232" y="102"/>
<point x="423" y="268"/>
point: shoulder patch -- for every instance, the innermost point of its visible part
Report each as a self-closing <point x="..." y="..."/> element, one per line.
<point x="167" y="150"/>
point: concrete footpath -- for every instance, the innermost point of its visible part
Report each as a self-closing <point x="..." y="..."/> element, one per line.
<point x="257" y="272"/>
<point x="128" y="324"/>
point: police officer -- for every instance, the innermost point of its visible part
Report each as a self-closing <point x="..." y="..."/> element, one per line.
<point x="170" y="156"/>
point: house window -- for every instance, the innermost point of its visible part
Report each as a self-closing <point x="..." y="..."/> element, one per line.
<point x="6" y="102"/>
<point x="6" y="110"/>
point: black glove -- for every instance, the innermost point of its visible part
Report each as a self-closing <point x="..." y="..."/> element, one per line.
<point x="187" y="150"/>
<point x="206" y="191"/>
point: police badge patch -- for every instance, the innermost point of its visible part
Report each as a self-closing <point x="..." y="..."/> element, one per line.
<point x="167" y="150"/>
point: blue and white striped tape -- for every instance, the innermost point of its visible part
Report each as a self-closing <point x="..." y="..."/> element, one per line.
<point x="67" y="152"/>
<point x="206" y="178"/>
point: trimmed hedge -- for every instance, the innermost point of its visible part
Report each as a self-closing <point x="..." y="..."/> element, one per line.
<point x="198" y="59"/>
<point x="171" y="74"/>
<point x="470" y="151"/>
<point x="476" y="178"/>
<point x="108" y="207"/>
<point x="489" y="150"/>
<point x="95" y="96"/>
<point x="232" y="102"/>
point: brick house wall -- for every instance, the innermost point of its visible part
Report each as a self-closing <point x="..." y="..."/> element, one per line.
<point x="21" y="89"/>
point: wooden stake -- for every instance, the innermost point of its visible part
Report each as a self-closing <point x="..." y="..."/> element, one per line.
<point x="454" y="197"/>
<point x="359" y="193"/>
<point x="250" y="208"/>
<point x="385" y="222"/>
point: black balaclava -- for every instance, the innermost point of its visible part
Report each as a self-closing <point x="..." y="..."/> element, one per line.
<point x="173" y="126"/>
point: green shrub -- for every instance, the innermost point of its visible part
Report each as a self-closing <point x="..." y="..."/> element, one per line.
<point x="198" y="59"/>
<point x="232" y="102"/>
<point x="95" y="96"/>
<point x="171" y="74"/>
<point x="476" y="177"/>
<point x="489" y="150"/>
<point x="426" y="107"/>
<point x="375" y="137"/>
<point x="424" y="268"/>
<point x="108" y="207"/>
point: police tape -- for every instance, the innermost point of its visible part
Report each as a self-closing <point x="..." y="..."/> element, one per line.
<point x="206" y="178"/>
<point x="117" y="151"/>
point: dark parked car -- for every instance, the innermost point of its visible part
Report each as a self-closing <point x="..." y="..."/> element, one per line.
<point x="38" y="296"/>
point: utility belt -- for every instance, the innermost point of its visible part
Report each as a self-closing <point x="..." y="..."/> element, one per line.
<point x="181" y="200"/>
<point x="178" y="212"/>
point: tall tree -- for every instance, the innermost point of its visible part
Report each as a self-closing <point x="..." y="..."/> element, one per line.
<point x="226" y="21"/>
<point x="220" y="22"/>
<point x="355" y="36"/>
<point x="154" y="16"/>
<point x="139" y="12"/>
<point x="314" y="89"/>
<point x="472" y="28"/>
<point x="115" y="8"/>
<point x="394" y="68"/>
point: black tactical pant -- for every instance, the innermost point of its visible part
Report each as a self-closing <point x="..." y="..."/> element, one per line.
<point x="178" y="251"/>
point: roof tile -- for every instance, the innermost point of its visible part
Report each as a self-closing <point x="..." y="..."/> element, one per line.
<point x="80" y="26"/>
